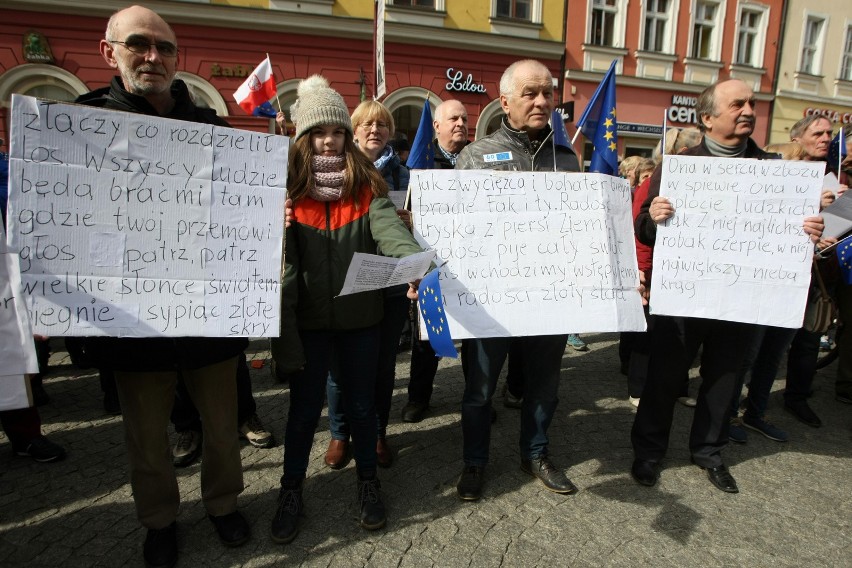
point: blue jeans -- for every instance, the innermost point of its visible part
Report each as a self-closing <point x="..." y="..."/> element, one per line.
<point x="482" y="361"/>
<point x="350" y="356"/>
<point x="390" y="329"/>
<point x="763" y="358"/>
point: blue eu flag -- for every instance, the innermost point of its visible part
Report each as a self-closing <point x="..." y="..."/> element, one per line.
<point x="844" y="256"/>
<point x="422" y="154"/>
<point x="431" y="305"/>
<point x="560" y="135"/>
<point x="599" y="125"/>
<point x="265" y="110"/>
<point x="836" y="152"/>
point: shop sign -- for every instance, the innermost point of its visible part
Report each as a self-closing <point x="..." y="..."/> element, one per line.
<point x="236" y="71"/>
<point x="36" y="48"/>
<point x="830" y="114"/>
<point x="456" y="83"/>
<point x="683" y="109"/>
<point x="632" y="128"/>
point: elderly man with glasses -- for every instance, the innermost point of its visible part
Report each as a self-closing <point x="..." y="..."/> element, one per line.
<point x="143" y="47"/>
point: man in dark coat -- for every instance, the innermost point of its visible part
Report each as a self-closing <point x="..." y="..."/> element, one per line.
<point x="726" y="113"/>
<point x="143" y="47"/>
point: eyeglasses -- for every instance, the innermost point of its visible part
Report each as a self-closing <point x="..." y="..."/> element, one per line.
<point x="141" y="46"/>
<point x="378" y="124"/>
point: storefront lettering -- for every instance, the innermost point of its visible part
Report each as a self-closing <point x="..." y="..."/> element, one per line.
<point x="683" y="109"/>
<point x="456" y="83"/>
<point x="830" y="114"/>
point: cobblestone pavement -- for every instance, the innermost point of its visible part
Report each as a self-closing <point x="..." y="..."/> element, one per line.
<point x="793" y="509"/>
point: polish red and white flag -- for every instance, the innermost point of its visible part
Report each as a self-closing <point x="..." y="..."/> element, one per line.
<point x="258" y="88"/>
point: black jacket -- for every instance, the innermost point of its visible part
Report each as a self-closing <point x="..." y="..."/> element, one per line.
<point x="644" y="226"/>
<point x="157" y="353"/>
<point x="441" y="161"/>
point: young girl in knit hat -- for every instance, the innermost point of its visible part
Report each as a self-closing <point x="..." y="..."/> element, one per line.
<point x="340" y="207"/>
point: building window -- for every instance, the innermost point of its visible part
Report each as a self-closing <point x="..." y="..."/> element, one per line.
<point x="749" y="36"/>
<point x="656" y="25"/>
<point x="416" y="3"/>
<point x="604" y="14"/>
<point x="516" y="9"/>
<point x="704" y="27"/>
<point x="811" y="42"/>
<point x="846" y="64"/>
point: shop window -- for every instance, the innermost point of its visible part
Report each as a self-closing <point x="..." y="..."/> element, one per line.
<point x="705" y="37"/>
<point x="657" y="26"/>
<point x="812" y="40"/>
<point x="846" y="64"/>
<point x="751" y="35"/>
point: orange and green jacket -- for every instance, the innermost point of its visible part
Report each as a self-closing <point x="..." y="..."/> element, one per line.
<point x="320" y="243"/>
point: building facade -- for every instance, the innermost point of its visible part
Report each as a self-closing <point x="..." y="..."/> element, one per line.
<point x="666" y="53"/>
<point x="815" y="66"/>
<point x="433" y="48"/>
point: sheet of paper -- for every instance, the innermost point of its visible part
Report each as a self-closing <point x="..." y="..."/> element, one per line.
<point x="838" y="216"/>
<point x="13" y="392"/>
<point x="735" y="248"/>
<point x="373" y="272"/>
<point x="133" y="225"/>
<point x="530" y="253"/>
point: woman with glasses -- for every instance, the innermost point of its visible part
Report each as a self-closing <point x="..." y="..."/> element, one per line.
<point x="374" y="126"/>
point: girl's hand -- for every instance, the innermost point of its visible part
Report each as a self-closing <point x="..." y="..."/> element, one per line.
<point x="412" y="289"/>
<point x="288" y="212"/>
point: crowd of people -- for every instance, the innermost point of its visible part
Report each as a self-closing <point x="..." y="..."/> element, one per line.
<point x="343" y="349"/>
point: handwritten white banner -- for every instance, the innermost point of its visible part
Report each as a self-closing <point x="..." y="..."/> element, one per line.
<point x="132" y="225"/>
<point x="735" y="248"/>
<point x="530" y="253"/>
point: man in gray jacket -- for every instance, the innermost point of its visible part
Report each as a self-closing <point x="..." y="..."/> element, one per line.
<point x="524" y="142"/>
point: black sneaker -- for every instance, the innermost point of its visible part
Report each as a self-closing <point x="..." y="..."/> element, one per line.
<point x="233" y="529"/>
<point x="42" y="450"/>
<point x="285" y="523"/>
<point x="160" y="549"/>
<point x="187" y="448"/>
<point x="373" y="514"/>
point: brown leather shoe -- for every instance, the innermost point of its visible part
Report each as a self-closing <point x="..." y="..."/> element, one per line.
<point x="337" y="455"/>
<point x="384" y="456"/>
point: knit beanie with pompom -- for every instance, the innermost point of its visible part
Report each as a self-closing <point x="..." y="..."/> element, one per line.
<point x="318" y="104"/>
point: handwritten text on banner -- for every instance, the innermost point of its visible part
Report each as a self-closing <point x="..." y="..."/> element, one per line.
<point x="132" y="225"/>
<point x="530" y="253"/>
<point x="735" y="248"/>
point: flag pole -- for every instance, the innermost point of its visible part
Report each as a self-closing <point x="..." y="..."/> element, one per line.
<point x="277" y="100"/>
<point x="553" y="140"/>
<point x="663" y="139"/>
<point x="841" y="145"/>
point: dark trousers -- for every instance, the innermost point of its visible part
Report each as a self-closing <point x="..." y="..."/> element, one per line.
<point x="185" y="415"/>
<point x="424" y="365"/>
<point x="674" y="341"/>
<point x="390" y="330"/>
<point x="801" y="365"/>
<point x="21" y="426"/>
<point x="351" y="356"/>
<point x="482" y="361"/>
<point x="515" y="369"/>
<point x="843" y="385"/>
<point x="763" y="358"/>
<point x="639" y="343"/>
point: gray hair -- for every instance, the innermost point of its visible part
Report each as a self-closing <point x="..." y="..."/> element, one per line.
<point x="802" y="125"/>
<point x="706" y="105"/>
<point x="507" y="81"/>
<point x="676" y="140"/>
<point x="438" y="115"/>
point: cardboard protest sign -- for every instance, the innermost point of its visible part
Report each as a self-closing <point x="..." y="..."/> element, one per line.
<point x="530" y="253"/>
<point x="133" y="225"/>
<point x="17" y="351"/>
<point x="735" y="248"/>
